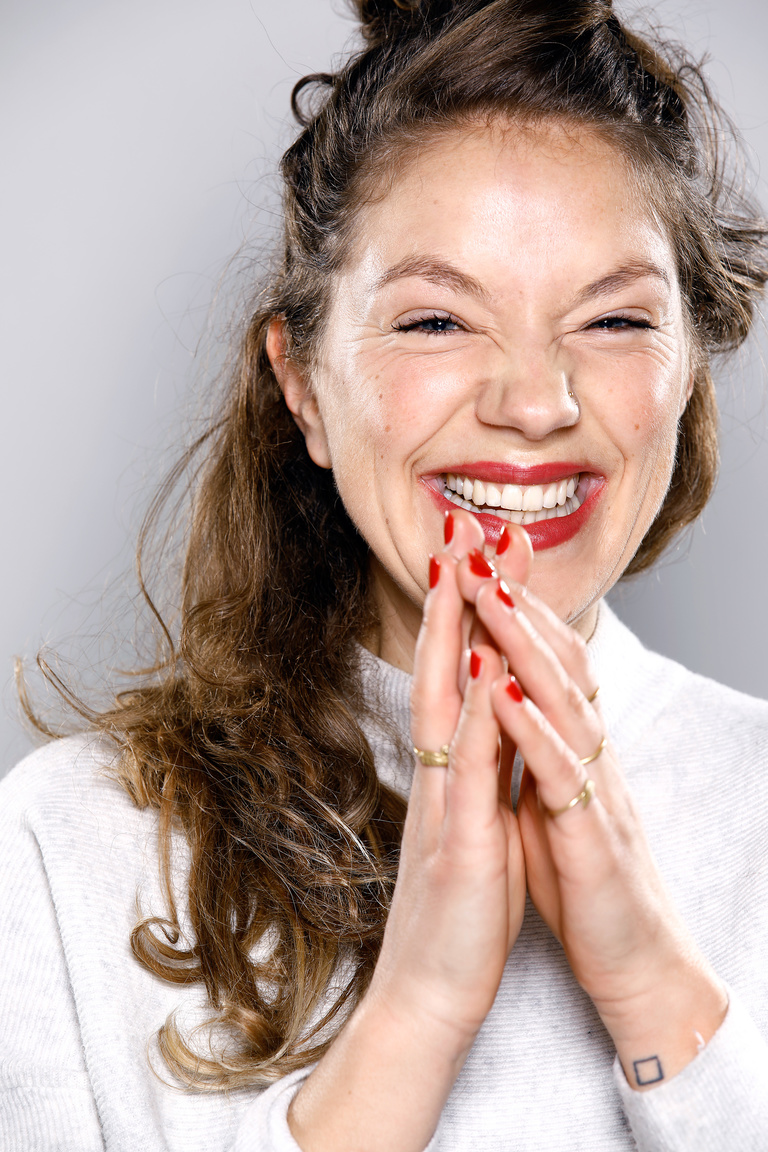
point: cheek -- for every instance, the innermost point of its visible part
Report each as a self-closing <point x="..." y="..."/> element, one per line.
<point x="387" y="408"/>
<point x="640" y="410"/>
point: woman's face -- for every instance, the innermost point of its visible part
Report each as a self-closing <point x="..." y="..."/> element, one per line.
<point x="509" y="332"/>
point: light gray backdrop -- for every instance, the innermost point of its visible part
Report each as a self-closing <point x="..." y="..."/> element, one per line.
<point x="137" y="142"/>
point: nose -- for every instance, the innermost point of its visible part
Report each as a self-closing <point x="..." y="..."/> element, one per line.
<point x="527" y="389"/>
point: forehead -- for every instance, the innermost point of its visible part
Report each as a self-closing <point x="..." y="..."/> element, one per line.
<point x="550" y="198"/>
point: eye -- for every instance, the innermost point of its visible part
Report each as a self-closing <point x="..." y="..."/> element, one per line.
<point x="431" y="324"/>
<point x="620" y="324"/>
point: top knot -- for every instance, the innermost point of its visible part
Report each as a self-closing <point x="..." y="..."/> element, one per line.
<point x="389" y="20"/>
<point x="386" y="21"/>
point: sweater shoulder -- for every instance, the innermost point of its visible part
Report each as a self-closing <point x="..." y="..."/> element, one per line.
<point x="646" y="692"/>
<point x="710" y="702"/>
<point x="73" y="776"/>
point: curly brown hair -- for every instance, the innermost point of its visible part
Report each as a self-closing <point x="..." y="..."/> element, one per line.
<point x="246" y="734"/>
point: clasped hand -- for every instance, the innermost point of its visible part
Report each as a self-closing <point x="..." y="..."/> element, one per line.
<point x="467" y="857"/>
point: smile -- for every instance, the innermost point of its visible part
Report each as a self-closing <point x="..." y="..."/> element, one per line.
<point x="519" y="503"/>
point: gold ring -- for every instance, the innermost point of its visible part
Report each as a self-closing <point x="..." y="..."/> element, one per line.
<point x="596" y="753"/>
<point x="432" y="759"/>
<point x="583" y="797"/>
<point x="593" y="697"/>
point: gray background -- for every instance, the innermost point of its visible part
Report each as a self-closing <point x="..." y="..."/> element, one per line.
<point x="137" y="142"/>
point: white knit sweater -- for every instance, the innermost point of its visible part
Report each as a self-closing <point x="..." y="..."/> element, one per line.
<point x="78" y="1015"/>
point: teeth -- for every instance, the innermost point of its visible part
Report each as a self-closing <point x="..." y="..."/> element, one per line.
<point x="533" y="498"/>
<point x="520" y="504"/>
<point x="512" y="496"/>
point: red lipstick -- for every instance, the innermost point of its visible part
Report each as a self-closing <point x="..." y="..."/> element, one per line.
<point x="497" y="473"/>
<point x="543" y="533"/>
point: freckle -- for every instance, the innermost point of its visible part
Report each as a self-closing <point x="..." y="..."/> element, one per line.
<point x="388" y="428"/>
<point x="381" y="395"/>
<point x="637" y="427"/>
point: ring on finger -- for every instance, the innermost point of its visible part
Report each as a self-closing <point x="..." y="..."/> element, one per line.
<point x="591" y="699"/>
<point x="583" y="797"/>
<point x="432" y="759"/>
<point x="596" y="753"/>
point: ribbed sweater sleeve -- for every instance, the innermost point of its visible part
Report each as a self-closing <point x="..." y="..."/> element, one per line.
<point x="264" y="1127"/>
<point x="46" y="1099"/>
<point x="718" y="1103"/>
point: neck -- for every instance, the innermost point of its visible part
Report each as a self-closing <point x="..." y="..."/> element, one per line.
<point x="399" y="620"/>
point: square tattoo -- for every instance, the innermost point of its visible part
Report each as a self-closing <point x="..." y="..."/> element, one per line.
<point x="648" y="1071"/>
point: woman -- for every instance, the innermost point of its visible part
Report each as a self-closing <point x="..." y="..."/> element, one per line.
<point x="475" y="395"/>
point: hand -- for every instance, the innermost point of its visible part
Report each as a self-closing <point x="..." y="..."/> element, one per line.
<point x="590" y="872"/>
<point x="460" y="894"/>
<point x="457" y="907"/>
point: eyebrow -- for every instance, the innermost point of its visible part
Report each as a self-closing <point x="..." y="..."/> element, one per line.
<point x="438" y="272"/>
<point x="449" y="276"/>
<point x="618" y="279"/>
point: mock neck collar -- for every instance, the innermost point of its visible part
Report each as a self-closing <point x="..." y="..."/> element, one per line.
<point x="624" y="669"/>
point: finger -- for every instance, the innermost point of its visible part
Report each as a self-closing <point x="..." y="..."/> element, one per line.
<point x="464" y="538"/>
<point x="514" y="555"/>
<point x="436" y="701"/>
<point x="462" y="533"/>
<point x="539" y="864"/>
<point x="559" y="775"/>
<point x="474" y="569"/>
<point x="540" y="672"/>
<point x="506" y="769"/>
<point x="472" y="788"/>
<point x="563" y="639"/>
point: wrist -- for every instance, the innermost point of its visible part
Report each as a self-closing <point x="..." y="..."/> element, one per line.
<point x="660" y="1030"/>
<point x="381" y="1085"/>
<point x="424" y="1022"/>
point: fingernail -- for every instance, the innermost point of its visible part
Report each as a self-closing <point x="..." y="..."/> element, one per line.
<point x="434" y="571"/>
<point x="478" y="563"/>
<point x="475" y="665"/>
<point x="513" y="690"/>
<point x="503" y="594"/>
<point x="503" y="542"/>
<point x="448" y="527"/>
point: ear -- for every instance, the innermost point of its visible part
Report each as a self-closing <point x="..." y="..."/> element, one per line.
<point x="688" y="391"/>
<point x="298" y="393"/>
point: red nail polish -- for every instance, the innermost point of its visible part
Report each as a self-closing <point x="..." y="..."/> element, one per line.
<point x="513" y="690"/>
<point x="503" y="542"/>
<point x="478" y="563"/>
<point x="434" y="571"/>
<point x="475" y="665"/>
<point x="448" y="527"/>
<point x="503" y="594"/>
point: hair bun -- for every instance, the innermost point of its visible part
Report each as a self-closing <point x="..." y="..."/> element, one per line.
<point x="384" y="20"/>
<point x="391" y="20"/>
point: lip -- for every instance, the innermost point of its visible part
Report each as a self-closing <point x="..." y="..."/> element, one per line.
<point x="516" y="473"/>
<point x="544" y="533"/>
